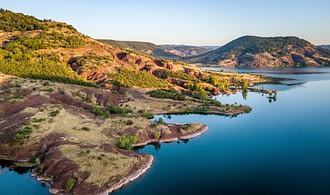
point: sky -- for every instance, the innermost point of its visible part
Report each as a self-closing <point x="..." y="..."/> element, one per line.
<point x="192" y="22"/>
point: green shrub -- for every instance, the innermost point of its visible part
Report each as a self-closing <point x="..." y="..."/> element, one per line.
<point x="114" y="109"/>
<point x="157" y="134"/>
<point x="126" y="141"/>
<point x="69" y="184"/>
<point x="198" y="110"/>
<point x="85" y="129"/>
<point x="22" y="134"/>
<point x="148" y="115"/>
<point x="166" y="94"/>
<point x="54" y="113"/>
<point x="141" y="79"/>
<point x="98" y="111"/>
<point x="197" y="89"/>
<point x="245" y="85"/>
<point x="155" y="123"/>
<point x="129" y="122"/>
<point x="186" y="127"/>
<point x="175" y="74"/>
<point x="10" y="21"/>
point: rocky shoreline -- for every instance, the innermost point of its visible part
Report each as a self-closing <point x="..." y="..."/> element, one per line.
<point x="137" y="173"/>
<point x="166" y="140"/>
<point x="144" y="169"/>
<point x="131" y="177"/>
<point x="82" y="156"/>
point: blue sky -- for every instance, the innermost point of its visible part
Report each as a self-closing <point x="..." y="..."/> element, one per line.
<point x="194" y="22"/>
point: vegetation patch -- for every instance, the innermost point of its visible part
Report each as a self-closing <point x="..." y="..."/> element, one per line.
<point x="126" y="141"/>
<point x="166" y="94"/>
<point x="148" y="115"/>
<point x="157" y="134"/>
<point x="69" y="184"/>
<point x="18" y="22"/>
<point x="98" y="111"/>
<point x="155" y="123"/>
<point x="22" y="134"/>
<point x="186" y="127"/>
<point x="127" y="78"/>
<point x="175" y="74"/>
<point x="114" y="109"/>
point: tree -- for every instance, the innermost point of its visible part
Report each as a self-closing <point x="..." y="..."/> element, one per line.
<point x="157" y="134"/>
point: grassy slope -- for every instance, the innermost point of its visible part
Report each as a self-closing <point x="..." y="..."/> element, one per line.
<point x="56" y="51"/>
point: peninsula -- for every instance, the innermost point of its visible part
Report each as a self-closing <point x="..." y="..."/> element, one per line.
<point x="73" y="108"/>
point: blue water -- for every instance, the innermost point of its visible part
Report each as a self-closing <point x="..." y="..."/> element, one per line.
<point x="20" y="183"/>
<point x="282" y="147"/>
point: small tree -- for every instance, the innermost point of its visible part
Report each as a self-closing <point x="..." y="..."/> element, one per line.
<point x="157" y="134"/>
<point x="69" y="184"/>
<point x="245" y="85"/>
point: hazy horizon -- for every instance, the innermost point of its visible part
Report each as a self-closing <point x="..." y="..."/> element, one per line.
<point x="194" y="22"/>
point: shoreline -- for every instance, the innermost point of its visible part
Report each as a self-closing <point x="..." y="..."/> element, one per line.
<point x="126" y="180"/>
<point x="220" y="113"/>
<point x="167" y="140"/>
<point x="136" y="174"/>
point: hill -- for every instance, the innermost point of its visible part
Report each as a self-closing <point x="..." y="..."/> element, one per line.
<point x="160" y="51"/>
<point x="265" y="52"/>
<point x="51" y="50"/>
<point x="186" y="50"/>
<point x="56" y="51"/>
<point x="325" y="47"/>
<point x="82" y="105"/>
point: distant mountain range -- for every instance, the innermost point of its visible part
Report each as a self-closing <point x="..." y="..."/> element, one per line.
<point x="325" y="47"/>
<point x="161" y="51"/>
<point x="265" y="52"/>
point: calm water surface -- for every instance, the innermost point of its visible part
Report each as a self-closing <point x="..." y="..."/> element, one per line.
<point x="281" y="147"/>
<point x="20" y="182"/>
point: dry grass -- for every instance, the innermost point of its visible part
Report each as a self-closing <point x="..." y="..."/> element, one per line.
<point x="102" y="166"/>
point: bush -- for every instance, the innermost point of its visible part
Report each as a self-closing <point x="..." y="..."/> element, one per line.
<point x="166" y="94"/>
<point x="126" y="141"/>
<point x="129" y="122"/>
<point x="245" y="85"/>
<point x="54" y="113"/>
<point x="69" y="184"/>
<point x="141" y="79"/>
<point x="148" y="115"/>
<point x="10" y="21"/>
<point x="98" y="111"/>
<point x="22" y="134"/>
<point x="164" y="73"/>
<point x="155" y="123"/>
<point x="114" y="109"/>
<point x="198" y="110"/>
<point x="85" y="129"/>
<point x="197" y="89"/>
<point x="186" y="127"/>
<point x="157" y="134"/>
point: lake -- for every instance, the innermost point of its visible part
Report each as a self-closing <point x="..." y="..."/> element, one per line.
<point x="19" y="181"/>
<point x="281" y="147"/>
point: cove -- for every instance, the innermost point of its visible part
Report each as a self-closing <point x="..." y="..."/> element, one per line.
<point x="282" y="147"/>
